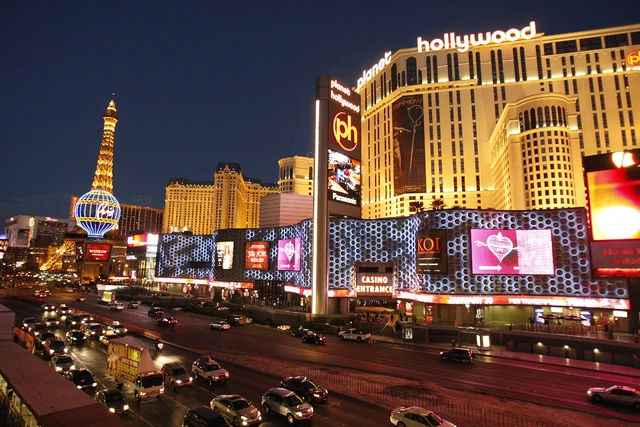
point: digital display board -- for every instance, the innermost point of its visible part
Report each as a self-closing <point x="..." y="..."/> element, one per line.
<point x="344" y="178"/>
<point x="225" y="255"/>
<point x="525" y="252"/>
<point x="289" y="254"/>
<point x="431" y="252"/>
<point x="257" y="256"/>
<point x="97" y="252"/>
<point x="142" y="240"/>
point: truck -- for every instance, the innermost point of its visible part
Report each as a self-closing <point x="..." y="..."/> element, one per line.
<point x="129" y="361"/>
<point x="107" y="298"/>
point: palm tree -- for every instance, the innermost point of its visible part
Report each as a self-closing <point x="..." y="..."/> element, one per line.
<point x="416" y="207"/>
<point x="456" y="207"/>
<point x="437" y="204"/>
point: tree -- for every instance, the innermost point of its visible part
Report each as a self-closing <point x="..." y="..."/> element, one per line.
<point x="437" y="204"/>
<point x="416" y="207"/>
<point x="456" y="207"/>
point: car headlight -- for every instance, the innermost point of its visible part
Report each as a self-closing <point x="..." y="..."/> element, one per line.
<point x="589" y="392"/>
<point x="58" y="369"/>
<point x="79" y="387"/>
<point x="316" y="394"/>
<point x="50" y="351"/>
<point x="72" y="367"/>
<point x="112" y="410"/>
<point x="242" y="417"/>
<point x="226" y="375"/>
<point x="179" y="381"/>
<point x="299" y="414"/>
<point x="126" y="407"/>
<point x="66" y="349"/>
<point x="190" y="379"/>
<point x="94" y="384"/>
<point x="162" y="390"/>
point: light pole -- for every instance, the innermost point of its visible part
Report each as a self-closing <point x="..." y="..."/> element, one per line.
<point x="468" y="314"/>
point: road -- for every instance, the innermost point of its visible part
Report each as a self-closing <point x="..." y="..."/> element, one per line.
<point x="507" y="379"/>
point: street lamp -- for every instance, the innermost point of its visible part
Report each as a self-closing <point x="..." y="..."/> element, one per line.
<point x="468" y="314"/>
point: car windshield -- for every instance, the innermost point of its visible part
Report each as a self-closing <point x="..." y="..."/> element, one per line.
<point x="82" y="376"/>
<point x="240" y="404"/>
<point x="55" y="345"/>
<point x="63" y="360"/>
<point x="293" y="400"/>
<point x="113" y="397"/>
<point x="434" y="420"/>
<point x="212" y="367"/>
<point x="77" y="334"/>
<point x="309" y="385"/>
<point x="179" y="371"/>
<point x="152" y="381"/>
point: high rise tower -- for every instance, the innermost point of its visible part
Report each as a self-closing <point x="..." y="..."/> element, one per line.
<point x="103" y="179"/>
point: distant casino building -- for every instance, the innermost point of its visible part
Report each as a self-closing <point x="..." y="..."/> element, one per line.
<point x="496" y="120"/>
<point x="133" y="218"/>
<point x="296" y="175"/>
<point x="201" y="207"/>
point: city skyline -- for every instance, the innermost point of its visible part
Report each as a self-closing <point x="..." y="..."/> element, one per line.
<point x="195" y="89"/>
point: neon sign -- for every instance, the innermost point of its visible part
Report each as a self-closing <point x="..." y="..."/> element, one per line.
<point x="633" y="58"/>
<point x="463" y="43"/>
<point x="373" y="71"/>
<point x="344" y="130"/>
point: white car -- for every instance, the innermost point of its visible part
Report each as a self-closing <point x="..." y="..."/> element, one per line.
<point x="116" y="306"/>
<point x="62" y="363"/>
<point x="210" y="370"/>
<point x="616" y="394"/>
<point x="219" y="325"/>
<point x="415" y="416"/>
<point x="118" y="328"/>
<point x="354" y="335"/>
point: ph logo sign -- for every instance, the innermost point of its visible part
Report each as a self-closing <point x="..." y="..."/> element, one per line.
<point x="633" y="58"/>
<point x="344" y="132"/>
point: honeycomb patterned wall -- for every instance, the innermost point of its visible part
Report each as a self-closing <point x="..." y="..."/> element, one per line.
<point x="354" y="241"/>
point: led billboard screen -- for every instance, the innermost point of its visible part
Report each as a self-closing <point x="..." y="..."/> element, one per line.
<point x="97" y="252"/>
<point x="289" y="254"/>
<point x="526" y="252"/>
<point x="344" y="178"/>
<point x="257" y="256"/>
<point x="431" y="252"/>
<point x="409" y="161"/>
<point x="224" y="252"/>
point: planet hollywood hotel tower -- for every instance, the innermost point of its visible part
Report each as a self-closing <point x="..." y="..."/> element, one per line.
<point x="498" y="120"/>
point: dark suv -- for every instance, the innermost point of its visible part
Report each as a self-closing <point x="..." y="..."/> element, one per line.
<point x="155" y="312"/>
<point x="463" y="355"/>
<point x="204" y="417"/>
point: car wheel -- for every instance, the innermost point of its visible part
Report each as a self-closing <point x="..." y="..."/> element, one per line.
<point x="597" y="398"/>
<point x="173" y="386"/>
<point x="236" y="422"/>
<point x="290" y="419"/>
<point x="466" y="360"/>
<point x="266" y="408"/>
<point x="444" y="357"/>
<point x="359" y="339"/>
<point x="342" y="337"/>
<point x="195" y="375"/>
<point x="210" y="381"/>
<point x="400" y="424"/>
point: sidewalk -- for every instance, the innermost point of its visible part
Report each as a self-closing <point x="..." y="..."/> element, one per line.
<point x="501" y="352"/>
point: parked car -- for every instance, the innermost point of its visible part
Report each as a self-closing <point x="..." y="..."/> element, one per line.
<point x="616" y="394"/>
<point x="306" y="388"/>
<point x="463" y="355"/>
<point x="203" y="416"/>
<point x="167" y="321"/>
<point x="236" y="409"/>
<point x="415" y="416"/>
<point x="155" y="312"/>
<point x="92" y="330"/>
<point x="134" y="304"/>
<point x="176" y="375"/>
<point x="82" y="379"/>
<point x="300" y="332"/>
<point x="236" y="319"/>
<point x="287" y="404"/>
<point x="74" y="337"/>
<point x="113" y="399"/>
<point x="62" y="363"/>
<point x="116" y="306"/>
<point x="354" y="334"/>
<point x="219" y="325"/>
<point x="314" y="338"/>
<point x="209" y="370"/>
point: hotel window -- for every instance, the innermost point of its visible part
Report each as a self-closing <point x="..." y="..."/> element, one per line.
<point x="516" y="66"/>
<point x="428" y="69"/>
<point x="435" y="69"/>
<point x="602" y="104"/>
<point x="412" y="71"/>
<point x="461" y="148"/>
<point x="616" y="40"/>
<point x="548" y="48"/>
<point x="575" y="87"/>
<point x="471" y="70"/>
<point x="624" y="138"/>
<point x="631" y="122"/>
<point x="591" y="43"/>
<point x="633" y="137"/>
<point x="500" y="66"/>
<point x="539" y="61"/>
<point x="475" y="147"/>
<point x="479" y="69"/>
<point x="494" y="73"/>
<point x="449" y="67"/>
<point x="394" y="77"/>
<point x="524" y="64"/>
<point x="568" y="46"/>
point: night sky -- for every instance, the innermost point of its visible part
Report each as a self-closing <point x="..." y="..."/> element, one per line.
<point x="203" y="82"/>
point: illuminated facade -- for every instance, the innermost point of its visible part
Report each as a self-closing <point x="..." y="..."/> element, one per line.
<point x="103" y="178"/>
<point x="140" y="218"/>
<point x="500" y="124"/>
<point x="296" y="175"/>
<point x="230" y="201"/>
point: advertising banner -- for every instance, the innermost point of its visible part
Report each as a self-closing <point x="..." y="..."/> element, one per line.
<point x="511" y="252"/>
<point x="409" y="161"/>
<point x="431" y="252"/>
<point x="98" y="252"/>
<point x="344" y="178"/>
<point x="23" y="238"/>
<point x="224" y="258"/>
<point x="289" y="254"/>
<point x="538" y="313"/>
<point x="123" y="360"/>
<point x="257" y="256"/>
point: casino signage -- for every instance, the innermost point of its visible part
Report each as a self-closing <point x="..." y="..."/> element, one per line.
<point x="374" y="284"/>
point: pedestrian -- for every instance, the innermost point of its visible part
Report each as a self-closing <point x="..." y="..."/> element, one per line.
<point x="636" y="339"/>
